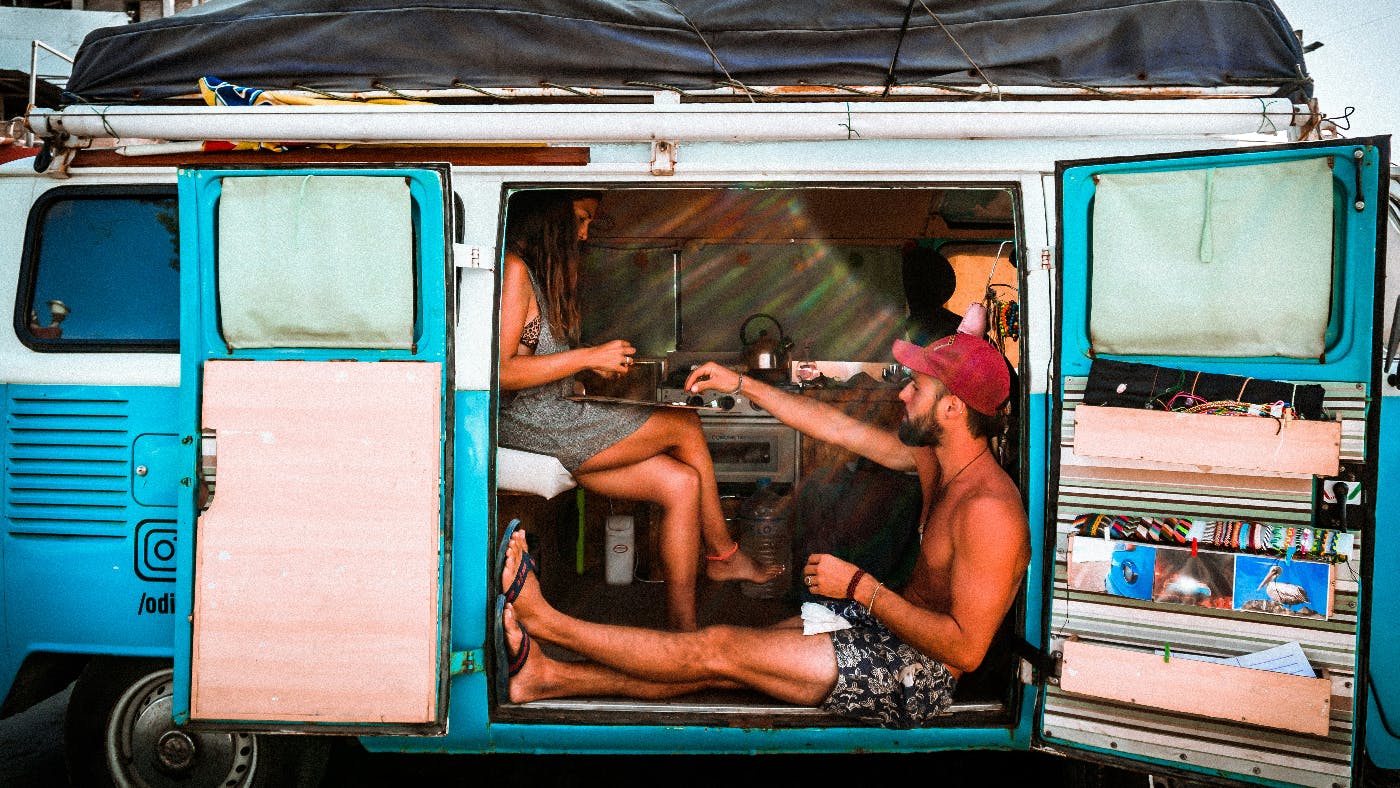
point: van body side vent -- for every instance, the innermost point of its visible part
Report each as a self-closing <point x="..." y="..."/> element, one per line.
<point x="68" y="456"/>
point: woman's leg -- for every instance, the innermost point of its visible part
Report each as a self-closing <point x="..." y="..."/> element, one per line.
<point x="677" y="433"/>
<point x="673" y="487"/>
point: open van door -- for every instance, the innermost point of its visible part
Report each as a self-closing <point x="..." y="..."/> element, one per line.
<point x="314" y="372"/>
<point x="1213" y="495"/>
<point x="1383" y="696"/>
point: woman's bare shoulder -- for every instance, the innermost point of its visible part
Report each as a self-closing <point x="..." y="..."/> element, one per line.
<point x="514" y="265"/>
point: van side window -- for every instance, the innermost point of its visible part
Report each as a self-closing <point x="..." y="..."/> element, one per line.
<point x="101" y="271"/>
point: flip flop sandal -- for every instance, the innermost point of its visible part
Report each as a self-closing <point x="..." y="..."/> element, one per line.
<point x="521" y="656"/>
<point x="527" y="564"/>
<point x="506" y="665"/>
<point x="502" y="649"/>
<point x="501" y="549"/>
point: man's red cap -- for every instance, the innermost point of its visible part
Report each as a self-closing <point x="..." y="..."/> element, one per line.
<point x="970" y="367"/>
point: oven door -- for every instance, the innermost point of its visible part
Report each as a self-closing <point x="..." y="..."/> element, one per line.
<point x="747" y="449"/>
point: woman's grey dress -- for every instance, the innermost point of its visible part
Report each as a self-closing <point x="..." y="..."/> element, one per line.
<point x="540" y="420"/>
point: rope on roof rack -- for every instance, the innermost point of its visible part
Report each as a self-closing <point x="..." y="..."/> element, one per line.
<point x="1264" y="120"/>
<point x="1091" y="88"/>
<point x="846" y="88"/>
<point x="996" y="89"/>
<point x="565" y="88"/>
<point x="733" y="82"/>
<point x="319" y="92"/>
<point x="378" y="85"/>
<point x="661" y="85"/>
<point x="898" y="45"/>
<point x="74" y="98"/>
<point x="941" y="86"/>
<point x="457" y="83"/>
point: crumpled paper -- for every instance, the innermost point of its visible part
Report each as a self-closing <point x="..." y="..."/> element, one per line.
<point x="819" y="618"/>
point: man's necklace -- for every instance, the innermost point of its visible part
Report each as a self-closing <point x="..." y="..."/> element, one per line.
<point x="943" y="487"/>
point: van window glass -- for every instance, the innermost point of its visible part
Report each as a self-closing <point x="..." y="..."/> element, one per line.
<point x="101" y="271"/>
<point x="316" y="261"/>
<point x="1221" y="261"/>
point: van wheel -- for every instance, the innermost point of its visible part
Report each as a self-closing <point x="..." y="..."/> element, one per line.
<point x="119" y="732"/>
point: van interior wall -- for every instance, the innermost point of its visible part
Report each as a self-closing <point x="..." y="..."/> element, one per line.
<point x="683" y="269"/>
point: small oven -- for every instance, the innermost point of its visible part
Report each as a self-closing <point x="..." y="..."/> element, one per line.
<point x="746" y="442"/>
<point x="746" y="450"/>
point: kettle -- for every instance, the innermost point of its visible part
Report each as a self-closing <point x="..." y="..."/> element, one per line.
<point x="766" y="357"/>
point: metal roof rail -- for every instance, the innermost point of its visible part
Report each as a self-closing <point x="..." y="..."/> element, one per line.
<point x="34" y="47"/>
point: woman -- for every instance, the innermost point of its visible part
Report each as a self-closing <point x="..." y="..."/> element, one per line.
<point x="657" y="455"/>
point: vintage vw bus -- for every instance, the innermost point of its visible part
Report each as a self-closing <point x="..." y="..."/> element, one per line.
<point x="252" y="483"/>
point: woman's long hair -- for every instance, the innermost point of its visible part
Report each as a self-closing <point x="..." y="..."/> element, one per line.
<point x="542" y="229"/>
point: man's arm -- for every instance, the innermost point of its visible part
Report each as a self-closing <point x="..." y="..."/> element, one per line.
<point x="809" y="416"/>
<point x="991" y="553"/>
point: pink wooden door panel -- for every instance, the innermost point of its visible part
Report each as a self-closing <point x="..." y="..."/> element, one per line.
<point x="316" y="565"/>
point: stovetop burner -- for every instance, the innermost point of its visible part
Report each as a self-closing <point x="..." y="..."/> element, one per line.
<point x="728" y="405"/>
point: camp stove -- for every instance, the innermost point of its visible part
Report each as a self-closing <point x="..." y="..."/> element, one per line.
<point x="746" y="442"/>
<point x="717" y="404"/>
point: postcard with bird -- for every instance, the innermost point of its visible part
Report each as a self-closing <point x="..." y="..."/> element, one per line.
<point x="1276" y="585"/>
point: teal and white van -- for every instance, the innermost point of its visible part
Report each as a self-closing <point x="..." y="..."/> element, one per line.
<point x="251" y="480"/>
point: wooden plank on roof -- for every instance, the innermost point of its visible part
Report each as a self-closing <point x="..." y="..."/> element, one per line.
<point x="460" y="155"/>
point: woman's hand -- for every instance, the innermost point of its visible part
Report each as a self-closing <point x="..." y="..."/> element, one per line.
<point x="711" y="377"/>
<point x="610" y="359"/>
<point x="828" y="575"/>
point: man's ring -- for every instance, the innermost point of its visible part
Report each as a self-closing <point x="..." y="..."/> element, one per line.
<point x="626" y="361"/>
<point x="808" y="580"/>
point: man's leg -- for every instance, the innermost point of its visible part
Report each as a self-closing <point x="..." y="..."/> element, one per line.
<point x="779" y="661"/>
<point x="543" y="677"/>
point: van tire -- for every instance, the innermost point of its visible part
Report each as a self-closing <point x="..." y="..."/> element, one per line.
<point x="1091" y="774"/>
<point x="120" y="710"/>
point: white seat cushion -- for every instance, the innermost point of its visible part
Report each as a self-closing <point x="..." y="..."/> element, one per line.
<point x="528" y="472"/>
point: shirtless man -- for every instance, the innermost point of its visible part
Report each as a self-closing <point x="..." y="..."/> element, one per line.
<point x="898" y="663"/>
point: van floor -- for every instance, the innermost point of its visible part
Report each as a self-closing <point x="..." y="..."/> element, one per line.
<point x="581" y="591"/>
<point x="642" y="603"/>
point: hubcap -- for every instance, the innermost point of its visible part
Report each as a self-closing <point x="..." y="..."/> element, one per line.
<point x="145" y="749"/>
<point x="175" y="750"/>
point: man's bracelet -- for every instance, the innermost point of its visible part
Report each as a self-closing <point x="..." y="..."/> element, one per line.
<point x="737" y="388"/>
<point x="851" y="587"/>
<point x="870" y="608"/>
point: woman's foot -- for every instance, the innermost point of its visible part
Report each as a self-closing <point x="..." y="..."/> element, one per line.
<point x="738" y="565"/>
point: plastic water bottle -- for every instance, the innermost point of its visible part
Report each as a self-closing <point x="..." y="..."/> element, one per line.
<point x="620" y="556"/>
<point x="767" y="537"/>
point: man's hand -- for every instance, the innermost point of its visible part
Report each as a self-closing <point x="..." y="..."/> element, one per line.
<point x="828" y="575"/>
<point x="711" y="377"/>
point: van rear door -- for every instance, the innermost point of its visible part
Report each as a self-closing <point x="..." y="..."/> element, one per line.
<point x="1213" y="491"/>
<point x="314" y="363"/>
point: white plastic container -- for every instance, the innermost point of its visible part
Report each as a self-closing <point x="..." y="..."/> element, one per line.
<point x="620" y="555"/>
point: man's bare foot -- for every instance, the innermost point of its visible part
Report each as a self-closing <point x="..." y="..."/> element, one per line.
<point x="526" y="683"/>
<point x="530" y="600"/>
<point x="740" y="566"/>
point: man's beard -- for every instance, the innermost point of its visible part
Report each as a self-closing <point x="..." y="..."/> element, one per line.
<point x="925" y="432"/>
